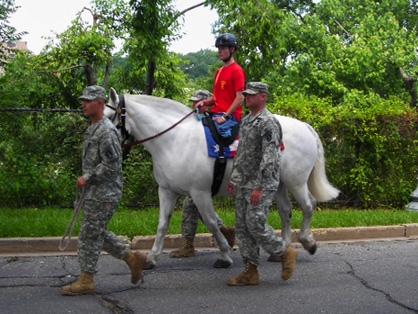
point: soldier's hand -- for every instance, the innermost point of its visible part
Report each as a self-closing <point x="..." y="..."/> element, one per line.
<point x="256" y="197"/>
<point x="81" y="182"/>
<point x="231" y="189"/>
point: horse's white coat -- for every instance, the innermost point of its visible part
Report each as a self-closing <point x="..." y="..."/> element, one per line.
<point x="182" y="167"/>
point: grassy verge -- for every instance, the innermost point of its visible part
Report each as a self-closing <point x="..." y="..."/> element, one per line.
<point x="53" y="222"/>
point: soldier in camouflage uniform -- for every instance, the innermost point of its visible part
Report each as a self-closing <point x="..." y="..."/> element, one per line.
<point x="102" y="179"/>
<point x="191" y="216"/>
<point x="254" y="181"/>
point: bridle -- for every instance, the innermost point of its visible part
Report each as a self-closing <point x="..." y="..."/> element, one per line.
<point x="120" y="111"/>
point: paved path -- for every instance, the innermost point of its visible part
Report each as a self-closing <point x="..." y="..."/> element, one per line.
<point x="360" y="277"/>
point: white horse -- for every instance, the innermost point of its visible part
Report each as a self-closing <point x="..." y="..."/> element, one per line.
<point x="182" y="166"/>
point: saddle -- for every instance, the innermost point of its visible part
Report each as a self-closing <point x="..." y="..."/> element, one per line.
<point x="220" y="162"/>
<point x="221" y="141"/>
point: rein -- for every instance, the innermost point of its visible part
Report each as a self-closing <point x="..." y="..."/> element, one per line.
<point x="129" y="145"/>
<point x="120" y="110"/>
<point x="78" y="204"/>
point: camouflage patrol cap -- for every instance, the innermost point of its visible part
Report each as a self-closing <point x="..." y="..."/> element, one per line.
<point x="254" y="88"/>
<point x="93" y="92"/>
<point x="200" y="95"/>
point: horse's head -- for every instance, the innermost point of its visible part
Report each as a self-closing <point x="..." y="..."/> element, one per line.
<point x="116" y="112"/>
<point x="144" y="117"/>
<point x="111" y="109"/>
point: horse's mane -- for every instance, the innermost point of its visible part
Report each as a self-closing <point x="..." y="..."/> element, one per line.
<point x="161" y="104"/>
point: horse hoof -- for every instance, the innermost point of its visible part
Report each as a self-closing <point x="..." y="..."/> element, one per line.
<point x="312" y="250"/>
<point x="274" y="258"/>
<point x="148" y="265"/>
<point x="222" y="264"/>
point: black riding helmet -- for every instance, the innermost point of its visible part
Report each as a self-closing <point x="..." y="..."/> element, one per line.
<point x="226" y="40"/>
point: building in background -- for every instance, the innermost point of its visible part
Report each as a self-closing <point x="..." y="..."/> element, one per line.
<point x="8" y="48"/>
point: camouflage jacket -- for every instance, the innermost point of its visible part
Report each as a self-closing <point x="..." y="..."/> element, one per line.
<point x="102" y="162"/>
<point x="257" y="163"/>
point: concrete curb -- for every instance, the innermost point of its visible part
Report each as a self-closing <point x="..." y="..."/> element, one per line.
<point x="39" y="246"/>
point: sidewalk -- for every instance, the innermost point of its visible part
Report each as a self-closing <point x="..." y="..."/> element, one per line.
<point x="39" y="246"/>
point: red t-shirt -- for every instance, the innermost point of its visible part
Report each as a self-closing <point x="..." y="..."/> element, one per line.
<point x="228" y="81"/>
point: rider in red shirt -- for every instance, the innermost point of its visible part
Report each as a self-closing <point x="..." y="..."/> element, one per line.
<point x="229" y="84"/>
<point x="227" y="111"/>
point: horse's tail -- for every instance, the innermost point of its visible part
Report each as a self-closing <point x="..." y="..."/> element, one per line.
<point x="318" y="183"/>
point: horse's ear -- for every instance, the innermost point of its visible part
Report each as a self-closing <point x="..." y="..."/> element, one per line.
<point x="114" y="96"/>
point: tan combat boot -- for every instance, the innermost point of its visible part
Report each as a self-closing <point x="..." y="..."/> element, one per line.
<point x="136" y="262"/>
<point x="187" y="250"/>
<point x="289" y="262"/>
<point x="83" y="285"/>
<point x="249" y="276"/>
<point x="229" y="234"/>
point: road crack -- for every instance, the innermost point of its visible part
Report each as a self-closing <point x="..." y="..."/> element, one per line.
<point x="368" y="286"/>
<point x="115" y="305"/>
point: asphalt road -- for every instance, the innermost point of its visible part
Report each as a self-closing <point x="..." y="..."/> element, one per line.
<point x="362" y="277"/>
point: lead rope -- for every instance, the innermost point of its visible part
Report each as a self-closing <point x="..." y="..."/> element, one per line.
<point x="78" y="204"/>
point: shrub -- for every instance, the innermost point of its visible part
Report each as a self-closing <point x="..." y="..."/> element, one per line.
<point x="370" y="143"/>
<point x="139" y="186"/>
<point x="39" y="158"/>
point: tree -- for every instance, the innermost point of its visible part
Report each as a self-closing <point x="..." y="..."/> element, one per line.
<point x="199" y="63"/>
<point x="89" y="45"/>
<point x="154" y="25"/>
<point x="324" y="49"/>
<point x="369" y="44"/>
<point x="7" y="32"/>
<point x="26" y="84"/>
<point x="337" y="65"/>
<point x="259" y="27"/>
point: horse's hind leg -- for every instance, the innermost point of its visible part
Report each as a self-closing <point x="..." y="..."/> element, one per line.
<point x="307" y="203"/>
<point x="167" y="202"/>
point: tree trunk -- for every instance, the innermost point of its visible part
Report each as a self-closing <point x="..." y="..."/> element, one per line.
<point x="91" y="78"/>
<point x="150" y="77"/>
<point x="410" y="84"/>
<point x="107" y="73"/>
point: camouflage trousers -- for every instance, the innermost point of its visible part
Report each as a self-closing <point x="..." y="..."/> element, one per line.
<point x="94" y="237"/>
<point x="251" y="228"/>
<point x="190" y="219"/>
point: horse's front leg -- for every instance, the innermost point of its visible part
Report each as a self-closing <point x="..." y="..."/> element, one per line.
<point x="204" y="203"/>
<point x="167" y="202"/>
<point x="285" y="212"/>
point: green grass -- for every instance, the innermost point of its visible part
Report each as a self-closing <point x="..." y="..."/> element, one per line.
<point x="53" y="222"/>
